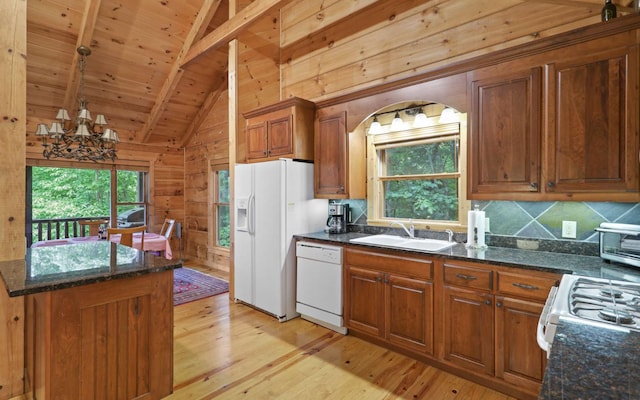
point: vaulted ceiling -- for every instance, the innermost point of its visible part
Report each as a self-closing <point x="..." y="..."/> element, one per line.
<point x="155" y="64"/>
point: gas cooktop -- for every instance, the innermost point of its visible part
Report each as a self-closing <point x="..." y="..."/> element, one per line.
<point x="606" y="301"/>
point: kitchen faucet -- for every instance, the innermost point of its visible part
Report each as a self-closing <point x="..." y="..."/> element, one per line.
<point x="450" y="232"/>
<point x="411" y="231"/>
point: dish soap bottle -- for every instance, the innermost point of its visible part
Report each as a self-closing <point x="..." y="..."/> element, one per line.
<point x="609" y="10"/>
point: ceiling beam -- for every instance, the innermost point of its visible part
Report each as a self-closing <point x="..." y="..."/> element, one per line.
<point x="204" y="110"/>
<point x="206" y="13"/>
<point x="624" y="6"/>
<point x="377" y="12"/>
<point x="85" y="35"/>
<point x="230" y="29"/>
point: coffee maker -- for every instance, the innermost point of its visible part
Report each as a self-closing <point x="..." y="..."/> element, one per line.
<point x="338" y="216"/>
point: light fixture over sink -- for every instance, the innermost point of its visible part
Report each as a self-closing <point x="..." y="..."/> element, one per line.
<point x="416" y="111"/>
<point x="79" y="139"/>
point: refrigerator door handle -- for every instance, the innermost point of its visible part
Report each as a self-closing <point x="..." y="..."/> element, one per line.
<point x="250" y="214"/>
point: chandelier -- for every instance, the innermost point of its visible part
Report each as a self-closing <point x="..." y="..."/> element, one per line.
<point x="80" y="139"/>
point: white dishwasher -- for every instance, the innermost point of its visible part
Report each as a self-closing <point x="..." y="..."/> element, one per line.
<point x="319" y="284"/>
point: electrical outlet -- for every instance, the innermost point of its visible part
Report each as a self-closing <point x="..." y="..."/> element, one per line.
<point x="569" y="229"/>
<point x="487" y="227"/>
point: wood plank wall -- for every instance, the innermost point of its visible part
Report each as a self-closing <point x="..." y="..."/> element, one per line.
<point x="331" y="48"/>
<point x="13" y="116"/>
<point x="405" y="38"/>
<point x="209" y="147"/>
<point x="259" y="85"/>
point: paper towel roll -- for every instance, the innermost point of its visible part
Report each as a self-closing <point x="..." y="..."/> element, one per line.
<point x="471" y="226"/>
<point x="480" y="220"/>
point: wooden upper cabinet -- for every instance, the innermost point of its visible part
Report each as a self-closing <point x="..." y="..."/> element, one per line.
<point x="340" y="163"/>
<point x="593" y="120"/>
<point x="559" y="125"/>
<point x="505" y="129"/>
<point x="331" y="156"/>
<point x="281" y="130"/>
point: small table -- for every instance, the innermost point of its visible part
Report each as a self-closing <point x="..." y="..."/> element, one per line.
<point x="152" y="242"/>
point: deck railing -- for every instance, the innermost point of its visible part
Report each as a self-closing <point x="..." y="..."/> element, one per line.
<point x="56" y="228"/>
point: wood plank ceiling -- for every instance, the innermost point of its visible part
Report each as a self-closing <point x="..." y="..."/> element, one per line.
<point x="156" y="65"/>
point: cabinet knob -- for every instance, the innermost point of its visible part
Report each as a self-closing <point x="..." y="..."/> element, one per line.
<point x="386" y="281"/>
<point x="487" y="302"/>
<point x="379" y="279"/>
<point x="534" y="185"/>
<point x="498" y="304"/>
<point x="550" y="184"/>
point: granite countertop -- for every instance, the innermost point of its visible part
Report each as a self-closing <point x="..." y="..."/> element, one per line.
<point x="586" y="362"/>
<point x="59" y="267"/>
<point x="560" y="263"/>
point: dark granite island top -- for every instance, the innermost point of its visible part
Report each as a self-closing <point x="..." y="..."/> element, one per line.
<point x="59" y="267"/>
<point x="98" y="312"/>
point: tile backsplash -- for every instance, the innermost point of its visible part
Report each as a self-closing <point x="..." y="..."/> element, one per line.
<point x="538" y="220"/>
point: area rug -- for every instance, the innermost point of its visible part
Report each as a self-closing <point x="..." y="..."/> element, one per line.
<point x="190" y="285"/>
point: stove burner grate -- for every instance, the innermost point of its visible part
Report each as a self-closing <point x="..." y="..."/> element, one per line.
<point x="611" y="292"/>
<point x="617" y="316"/>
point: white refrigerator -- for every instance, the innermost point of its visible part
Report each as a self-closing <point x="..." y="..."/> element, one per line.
<point x="273" y="201"/>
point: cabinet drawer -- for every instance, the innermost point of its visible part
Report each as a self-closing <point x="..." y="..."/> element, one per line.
<point x="471" y="277"/>
<point x="416" y="267"/>
<point x="519" y="284"/>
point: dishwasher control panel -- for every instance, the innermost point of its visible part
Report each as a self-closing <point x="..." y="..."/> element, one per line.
<point x="320" y="252"/>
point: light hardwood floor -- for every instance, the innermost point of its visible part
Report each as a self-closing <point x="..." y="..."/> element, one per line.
<point x="224" y="350"/>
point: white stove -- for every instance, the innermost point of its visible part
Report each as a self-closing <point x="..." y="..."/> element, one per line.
<point x="606" y="303"/>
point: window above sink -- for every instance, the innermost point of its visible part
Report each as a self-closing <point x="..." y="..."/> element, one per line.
<point x="417" y="173"/>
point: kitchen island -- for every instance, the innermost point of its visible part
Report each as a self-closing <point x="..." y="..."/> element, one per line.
<point x="99" y="321"/>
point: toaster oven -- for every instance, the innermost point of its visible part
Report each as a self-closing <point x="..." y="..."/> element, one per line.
<point x="620" y="242"/>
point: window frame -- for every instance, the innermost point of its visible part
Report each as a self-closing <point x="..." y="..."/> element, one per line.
<point x="375" y="165"/>
<point x="145" y="192"/>
<point x="141" y="167"/>
<point x="215" y="204"/>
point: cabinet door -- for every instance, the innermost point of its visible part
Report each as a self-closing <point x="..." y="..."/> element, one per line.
<point x="520" y="360"/>
<point x="257" y="141"/>
<point x="409" y="312"/>
<point x="280" y="136"/>
<point x="592" y="142"/>
<point x="468" y="331"/>
<point x="364" y="301"/>
<point x="504" y="141"/>
<point x="331" y="156"/>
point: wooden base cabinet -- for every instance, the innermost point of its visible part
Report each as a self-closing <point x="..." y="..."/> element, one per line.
<point x="490" y="320"/>
<point x="365" y="309"/>
<point x="395" y="307"/>
<point x="476" y="319"/>
<point x="108" y="340"/>
<point x="519" y="360"/>
<point x="468" y="329"/>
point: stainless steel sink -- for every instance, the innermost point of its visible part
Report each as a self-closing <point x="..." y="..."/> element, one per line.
<point x="405" y="243"/>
